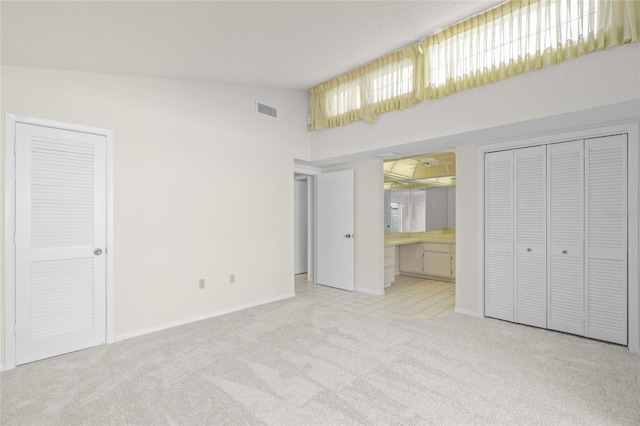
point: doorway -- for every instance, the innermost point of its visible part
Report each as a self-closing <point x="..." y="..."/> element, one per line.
<point x="58" y="238"/>
<point x="301" y="224"/>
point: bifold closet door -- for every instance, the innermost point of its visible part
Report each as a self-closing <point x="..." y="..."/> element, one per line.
<point x="499" y="235"/>
<point x="530" y="210"/>
<point x="606" y="238"/>
<point x="565" y="224"/>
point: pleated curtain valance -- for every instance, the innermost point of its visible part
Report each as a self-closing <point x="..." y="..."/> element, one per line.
<point x="511" y="39"/>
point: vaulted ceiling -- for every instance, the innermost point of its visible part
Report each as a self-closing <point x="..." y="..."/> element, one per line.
<point x="290" y="44"/>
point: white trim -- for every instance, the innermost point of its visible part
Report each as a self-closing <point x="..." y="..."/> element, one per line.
<point x="368" y="291"/>
<point x="109" y="252"/>
<point x="201" y="317"/>
<point x="466" y="312"/>
<point x="306" y="170"/>
<point x="9" y="247"/>
<point x="632" y="130"/>
<point x="10" y="121"/>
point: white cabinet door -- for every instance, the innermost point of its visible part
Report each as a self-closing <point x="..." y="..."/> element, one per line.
<point x="437" y="263"/>
<point x="453" y="261"/>
<point x="411" y="258"/>
<point x="565" y="221"/>
<point x="606" y="238"/>
<point x="530" y="291"/>
<point x="498" y="206"/>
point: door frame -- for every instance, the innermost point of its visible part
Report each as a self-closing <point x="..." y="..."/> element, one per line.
<point x="311" y="173"/>
<point x="9" y="302"/>
<point x="632" y="129"/>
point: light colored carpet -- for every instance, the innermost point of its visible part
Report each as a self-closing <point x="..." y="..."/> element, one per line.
<point x="296" y="362"/>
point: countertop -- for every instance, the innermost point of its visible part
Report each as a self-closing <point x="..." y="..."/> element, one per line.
<point x="396" y="239"/>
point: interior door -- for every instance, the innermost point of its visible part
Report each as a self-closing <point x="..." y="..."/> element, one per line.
<point x="565" y="264"/>
<point x="334" y="229"/>
<point x="60" y="241"/>
<point x="530" y="211"/>
<point x="606" y="238"/>
<point x="498" y="206"/>
<point x="300" y="224"/>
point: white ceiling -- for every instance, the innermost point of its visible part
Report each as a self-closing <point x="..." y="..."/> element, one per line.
<point x="292" y="44"/>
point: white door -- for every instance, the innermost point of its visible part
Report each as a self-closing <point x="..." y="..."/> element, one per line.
<point x="498" y="206"/>
<point x="606" y="238"/>
<point x="530" y="211"/>
<point x="565" y="223"/>
<point x="334" y="229"/>
<point x="60" y="241"/>
<point x="300" y="227"/>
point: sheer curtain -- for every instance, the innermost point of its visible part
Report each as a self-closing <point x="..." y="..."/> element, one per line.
<point x="521" y="36"/>
<point x="384" y="85"/>
<point x="513" y="38"/>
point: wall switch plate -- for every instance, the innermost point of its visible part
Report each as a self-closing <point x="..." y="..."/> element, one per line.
<point x="232" y="278"/>
<point x="201" y="283"/>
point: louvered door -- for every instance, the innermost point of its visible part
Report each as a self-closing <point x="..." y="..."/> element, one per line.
<point x="565" y="264"/>
<point x="60" y="210"/>
<point x="530" y="198"/>
<point x="499" y="235"/>
<point x="606" y="238"/>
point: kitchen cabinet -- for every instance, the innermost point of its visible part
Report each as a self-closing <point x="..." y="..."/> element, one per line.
<point x="431" y="259"/>
<point x="389" y="265"/>
<point x="411" y="258"/>
<point x="437" y="260"/>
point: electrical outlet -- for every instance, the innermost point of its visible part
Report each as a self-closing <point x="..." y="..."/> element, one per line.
<point x="201" y="283"/>
<point x="232" y="278"/>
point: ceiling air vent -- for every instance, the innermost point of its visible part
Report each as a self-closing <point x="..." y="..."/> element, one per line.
<point x="266" y="110"/>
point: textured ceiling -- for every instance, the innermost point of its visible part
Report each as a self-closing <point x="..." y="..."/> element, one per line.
<point x="278" y="44"/>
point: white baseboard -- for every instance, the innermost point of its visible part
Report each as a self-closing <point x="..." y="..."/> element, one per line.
<point x="200" y="318"/>
<point x="1" y="367"/>
<point x="368" y="291"/>
<point x="466" y="312"/>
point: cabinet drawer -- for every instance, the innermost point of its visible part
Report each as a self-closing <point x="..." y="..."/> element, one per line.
<point x="445" y="248"/>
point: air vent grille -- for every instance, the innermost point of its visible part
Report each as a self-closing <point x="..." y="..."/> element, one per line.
<point x="266" y="110"/>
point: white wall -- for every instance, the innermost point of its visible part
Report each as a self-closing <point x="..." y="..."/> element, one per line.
<point x="300" y="228"/>
<point x="186" y="155"/>
<point x="368" y="224"/>
<point x="466" y="230"/>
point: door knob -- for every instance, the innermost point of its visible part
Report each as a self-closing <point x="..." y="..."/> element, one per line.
<point x="348" y="236"/>
<point x="564" y="252"/>
<point x="528" y="249"/>
<point x="97" y="252"/>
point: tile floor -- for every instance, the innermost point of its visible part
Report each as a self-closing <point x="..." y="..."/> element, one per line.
<point x="408" y="297"/>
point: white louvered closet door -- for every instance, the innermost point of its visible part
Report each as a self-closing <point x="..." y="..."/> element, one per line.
<point x="606" y="238"/>
<point x="60" y="210"/>
<point x="499" y="235"/>
<point x="565" y="223"/>
<point x="530" y="288"/>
